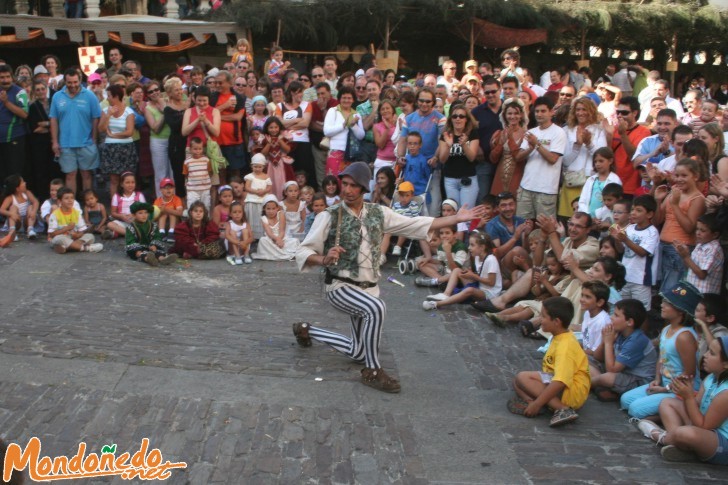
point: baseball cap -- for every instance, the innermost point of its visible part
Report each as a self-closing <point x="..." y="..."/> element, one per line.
<point x="471" y="63"/>
<point x="39" y="69"/>
<point x="95" y="77"/>
<point x="188" y="68"/>
<point x="165" y="182"/>
<point x="406" y="187"/>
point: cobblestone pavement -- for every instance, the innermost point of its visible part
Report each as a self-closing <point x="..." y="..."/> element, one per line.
<point x="200" y="358"/>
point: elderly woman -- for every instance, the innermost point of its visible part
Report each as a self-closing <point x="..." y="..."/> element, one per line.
<point x="118" y="154"/>
<point x="505" y="143"/>
<point x="158" y="133"/>
<point x="457" y="150"/>
<point x="584" y="136"/>
<point x="296" y="116"/>
<point x="174" y="113"/>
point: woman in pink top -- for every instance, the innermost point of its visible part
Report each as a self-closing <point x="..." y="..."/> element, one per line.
<point x="679" y="208"/>
<point x="383" y="133"/>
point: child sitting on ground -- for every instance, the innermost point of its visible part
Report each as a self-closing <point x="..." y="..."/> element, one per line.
<point x="94" y="213"/>
<point x="274" y="245"/>
<point x="451" y="254"/>
<point x="705" y="263"/>
<point x="221" y="212"/>
<point x="595" y="305"/>
<point x="170" y="209"/>
<point x="238" y="185"/>
<point x="143" y="242"/>
<point x="52" y="203"/>
<point x="708" y="315"/>
<point x="121" y="205"/>
<point x="482" y="281"/>
<point x="407" y="206"/>
<point x="626" y="357"/>
<point x="238" y="236"/>
<point x="563" y="384"/>
<point x="678" y="351"/>
<point x="696" y="425"/>
<point x="67" y="229"/>
<point x="20" y="207"/>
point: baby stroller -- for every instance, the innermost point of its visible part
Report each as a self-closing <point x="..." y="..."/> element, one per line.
<point x="406" y="262"/>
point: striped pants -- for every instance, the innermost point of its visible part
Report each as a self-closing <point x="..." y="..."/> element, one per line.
<point x="367" y="317"/>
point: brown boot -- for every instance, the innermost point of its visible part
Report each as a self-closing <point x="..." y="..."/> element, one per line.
<point x="378" y="379"/>
<point x="300" y="330"/>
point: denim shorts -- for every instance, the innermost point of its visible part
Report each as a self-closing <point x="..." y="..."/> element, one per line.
<point x="720" y="457"/>
<point x="81" y="158"/>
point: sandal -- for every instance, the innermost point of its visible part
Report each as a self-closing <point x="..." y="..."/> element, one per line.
<point x="300" y="331"/>
<point x="516" y="405"/>
<point x="378" y="379"/>
<point x="497" y="321"/>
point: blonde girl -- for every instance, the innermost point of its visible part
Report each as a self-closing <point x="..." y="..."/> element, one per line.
<point x="591" y="193"/>
<point x="679" y="209"/>
<point x="481" y="282"/>
<point x="238" y="236"/>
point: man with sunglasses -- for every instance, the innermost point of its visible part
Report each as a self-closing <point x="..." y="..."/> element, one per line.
<point x="488" y="117"/>
<point x="625" y="138"/>
<point x="430" y="125"/>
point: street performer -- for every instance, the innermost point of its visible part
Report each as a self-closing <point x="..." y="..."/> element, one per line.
<point x="346" y="239"/>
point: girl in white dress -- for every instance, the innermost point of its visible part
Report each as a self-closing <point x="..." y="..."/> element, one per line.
<point x="238" y="236"/>
<point x="274" y="245"/>
<point x="257" y="186"/>
<point x="294" y="209"/>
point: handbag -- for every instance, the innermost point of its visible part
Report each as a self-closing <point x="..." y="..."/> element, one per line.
<point x="574" y="179"/>
<point x="212" y="250"/>
<point x="213" y="152"/>
<point x="353" y="151"/>
<point x="325" y="143"/>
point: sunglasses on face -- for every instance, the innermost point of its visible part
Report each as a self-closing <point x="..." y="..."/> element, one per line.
<point x="492" y="91"/>
<point x="566" y="95"/>
<point x="317" y="75"/>
<point x="304" y="80"/>
<point x="426" y="101"/>
<point x="623" y="112"/>
<point x="153" y="90"/>
<point x="361" y="88"/>
<point x="458" y="117"/>
<point x="240" y="85"/>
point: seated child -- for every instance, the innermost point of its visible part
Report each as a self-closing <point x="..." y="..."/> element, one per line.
<point x="143" y="242"/>
<point x="678" y="351"/>
<point x="708" y="315"/>
<point x="696" y="425"/>
<point x="52" y="203"/>
<point x="221" y="212"/>
<point x="307" y="196"/>
<point x="490" y="204"/>
<point x="546" y="284"/>
<point x="94" y="213"/>
<point x="316" y="207"/>
<point x="563" y="384"/>
<point x="705" y="263"/>
<point x="121" y="204"/>
<point x="407" y="206"/>
<point x="238" y="236"/>
<point x="274" y="245"/>
<point x="481" y="282"/>
<point x="451" y="254"/>
<point x="20" y="207"/>
<point x="170" y="209"/>
<point x="194" y="235"/>
<point x="626" y="358"/>
<point x="449" y="208"/>
<point x="66" y="227"/>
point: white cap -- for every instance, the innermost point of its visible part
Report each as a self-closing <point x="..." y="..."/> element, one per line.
<point x="39" y="69"/>
<point x="213" y="71"/>
<point x="270" y="198"/>
<point x="451" y="203"/>
<point x="258" y="159"/>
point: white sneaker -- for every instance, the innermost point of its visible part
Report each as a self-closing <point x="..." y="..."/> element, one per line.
<point x="239" y="261"/>
<point x="32" y="235"/>
<point x="95" y="248"/>
<point x="397" y="251"/>
<point x="429" y="305"/>
<point x="231" y="260"/>
<point x="437" y="297"/>
<point x="650" y="430"/>
<point x="248" y="260"/>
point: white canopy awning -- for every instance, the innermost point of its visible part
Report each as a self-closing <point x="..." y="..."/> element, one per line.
<point x="125" y="25"/>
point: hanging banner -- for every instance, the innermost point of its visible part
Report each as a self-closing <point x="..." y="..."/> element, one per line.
<point x="91" y="58"/>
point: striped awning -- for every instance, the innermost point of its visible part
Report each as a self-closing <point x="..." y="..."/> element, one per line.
<point x="123" y="26"/>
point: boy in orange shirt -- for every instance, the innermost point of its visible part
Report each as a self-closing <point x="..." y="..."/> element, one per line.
<point x="170" y="209"/>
